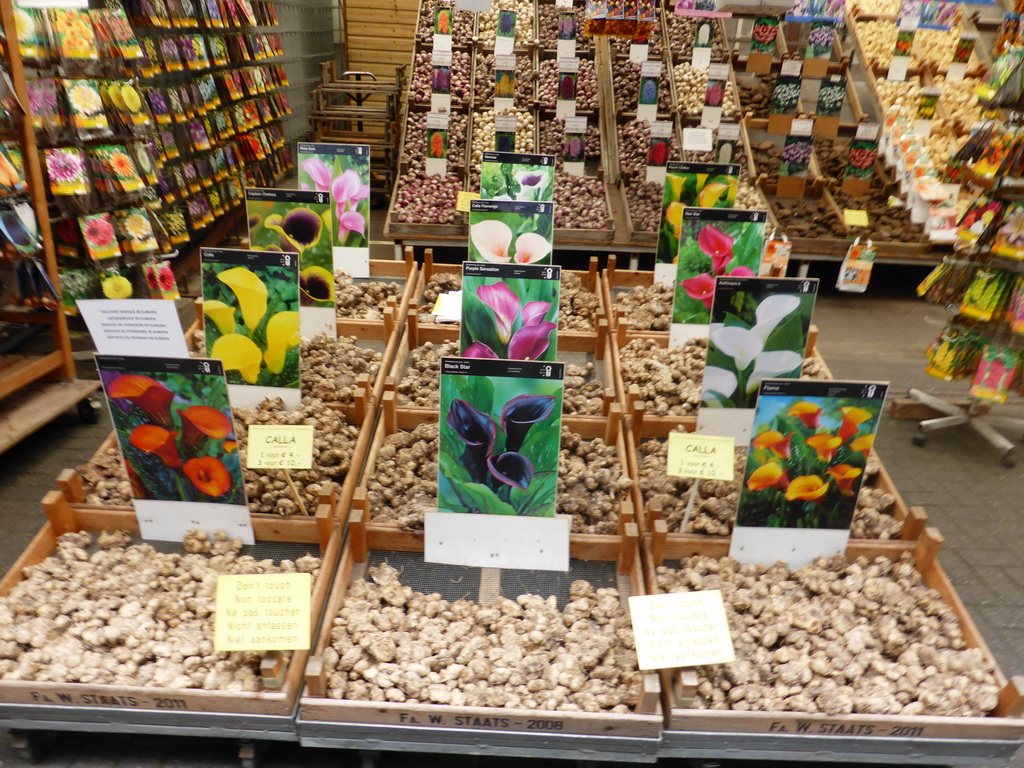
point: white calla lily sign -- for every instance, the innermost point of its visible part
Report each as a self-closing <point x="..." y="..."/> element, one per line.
<point x="758" y="331"/>
<point x="508" y="232"/>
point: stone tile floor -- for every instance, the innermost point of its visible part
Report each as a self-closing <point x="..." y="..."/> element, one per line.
<point x="976" y="502"/>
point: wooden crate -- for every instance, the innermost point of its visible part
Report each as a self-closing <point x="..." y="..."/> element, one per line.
<point x="1003" y="725"/>
<point x="419" y="331"/>
<point x="72" y="486"/>
<point x="608" y="427"/>
<point x="383" y="329"/>
<point x="282" y="676"/>
<point x="314" y="707"/>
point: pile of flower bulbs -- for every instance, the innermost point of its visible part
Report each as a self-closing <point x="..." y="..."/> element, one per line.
<point x="459" y="85"/>
<point x="365" y="300"/>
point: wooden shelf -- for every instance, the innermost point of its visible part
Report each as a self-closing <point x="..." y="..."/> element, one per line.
<point x="17" y="371"/>
<point x="25" y="412"/>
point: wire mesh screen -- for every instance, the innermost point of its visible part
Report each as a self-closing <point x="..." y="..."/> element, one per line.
<point x="456" y="582"/>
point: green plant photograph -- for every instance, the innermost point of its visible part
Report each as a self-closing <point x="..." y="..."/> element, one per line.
<point x="501" y="234"/>
<point x="517" y="181"/>
<point x="511" y="318"/>
<point x="686" y="186"/>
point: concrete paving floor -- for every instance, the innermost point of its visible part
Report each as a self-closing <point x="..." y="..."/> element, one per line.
<point x="881" y="335"/>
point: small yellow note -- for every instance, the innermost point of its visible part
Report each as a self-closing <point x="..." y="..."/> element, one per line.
<point x="855" y="217"/>
<point x="462" y="201"/>
<point x="684" y="629"/>
<point x="276" y="446"/>
<point x="706" y="457"/>
<point x="262" y="612"/>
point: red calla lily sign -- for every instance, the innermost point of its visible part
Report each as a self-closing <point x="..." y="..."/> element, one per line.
<point x="174" y="425"/>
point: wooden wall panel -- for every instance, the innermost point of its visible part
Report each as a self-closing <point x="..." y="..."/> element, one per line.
<point x="379" y="34"/>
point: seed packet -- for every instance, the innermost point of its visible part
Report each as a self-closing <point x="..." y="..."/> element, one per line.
<point x="175" y="106"/>
<point x="218" y="50"/>
<point x="74" y="34"/>
<point x="173" y="219"/>
<point x="141" y="153"/>
<point x="980" y="220"/>
<point x="954" y="354"/>
<point x="120" y="166"/>
<point x="197" y="134"/>
<point x="66" y="170"/>
<point x="160" y="280"/>
<point x="12" y="170"/>
<point x="170" y="55"/>
<point x="135" y="232"/>
<point x="33" y="41"/>
<point x="1009" y="240"/>
<point x="157" y="99"/>
<point x="99" y="237"/>
<point x="122" y="33"/>
<point x="855" y="272"/>
<point x="87" y="115"/>
<point x="150" y="62"/>
<point x="44" y="105"/>
<point x="208" y="91"/>
<point x="213" y="14"/>
<point x="997" y="373"/>
<point x="988" y="295"/>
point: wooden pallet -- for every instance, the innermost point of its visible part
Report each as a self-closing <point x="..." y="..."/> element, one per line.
<point x="282" y="674"/>
<point x="1004" y="724"/>
<point x="645" y="722"/>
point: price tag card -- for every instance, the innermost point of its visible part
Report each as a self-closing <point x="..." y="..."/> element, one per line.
<point x="569" y="64"/>
<point x="701" y="58"/>
<point x="463" y="200"/>
<point x="854" y="217"/>
<point x="276" y="446"/>
<point x="263" y="612"/>
<point x="792" y="68"/>
<point x="728" y="131"/>
<point x="638" y="52"/>
<point x="698" y="140"/>
<point x="441" y="58"/>
<point x="867" y="131"/>
<point x="474" y="6"/>
<point x="801" y="127"/>
<point x="505" y="123"/>
<point x="718" y="72"/>
<point x="647" y="96"/>
<point x="706" y="457"/>
<point x="685" y="629"/>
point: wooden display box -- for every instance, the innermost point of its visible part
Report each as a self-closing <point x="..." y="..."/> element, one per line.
<point x="914" y="519"/>
<point x="1003" y="725"/>
<point x="383" y="329"/>
<point x="339" y="498"/>
<point x="608" y="427"/>
<point x="314" y="707"/>
<point x="282" y="674"/>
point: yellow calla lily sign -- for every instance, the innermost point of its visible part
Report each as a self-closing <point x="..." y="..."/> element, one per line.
<point x="697" y="185"/>
<point x="251" y="322"/>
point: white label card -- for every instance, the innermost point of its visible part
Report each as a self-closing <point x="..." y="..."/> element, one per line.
<point x="566" y="48"/>
<point x="683" y="629"/>
<point x="475" y="6"/>
<point x="956" y="72"/>
<point x="438" y="120"/>
<point x="898" y="68"/>
<point x="569" y="65"/>
<point x="497" y="541"/>
<point x="718" y="72"/>
<point x="505" y="61"/>
<point x="867" y="131"/>
<point x="698" y="140"/>
<point x="638" y="52"/>
<point x="134" y="327"/>
<point x="505" y="123"/>
<point x="573" y="125"/>
<point x="650" y="69"/>
<point x="711" y="117"/>
<point x="661" y="129"/>
<point x="801" y="127"/>
<point x="701" y="58"/>
<point x="441" y="58"/>
<point x="728" y="131"/>
<point x="792" y="68"/>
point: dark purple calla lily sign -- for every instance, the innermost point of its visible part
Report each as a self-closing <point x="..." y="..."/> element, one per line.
<point x="500" y="436"/>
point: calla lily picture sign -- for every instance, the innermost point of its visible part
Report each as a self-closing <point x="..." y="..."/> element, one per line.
<point x="701" y="185"/>
<point x="251" y="322"/>
<point x="712" y="243"/>
<point x="515" y="176"/>
<point x="299" y="221"/>
<point x="509" y="311"/>
<point x="173" y="422"/>
<point x="500" y="436"/>
<point x="805" y="466"/>
<point x="344" y="171"/>
<point x="506" y="232"/>
<point x="758" y="331"/>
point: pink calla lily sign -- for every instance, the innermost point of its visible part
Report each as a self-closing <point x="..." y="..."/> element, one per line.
<point x="344" y="171"/>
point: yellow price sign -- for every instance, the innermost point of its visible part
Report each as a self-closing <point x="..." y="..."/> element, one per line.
<point x="276" y="446"/>
<point x="263" y="612"/>
<point x="705" y="457"/>
<point x="463" y="200"/>
<point x="854" y="217"/>
<point x="683" y="629"/>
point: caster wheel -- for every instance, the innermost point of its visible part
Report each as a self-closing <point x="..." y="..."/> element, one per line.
<point x="918" y="440"/>
<point x="1009" y="461"/>
<point x="89" y="410"/>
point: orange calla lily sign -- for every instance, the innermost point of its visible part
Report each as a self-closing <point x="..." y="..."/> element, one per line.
<point x="806" y="463"/>
<point x="173" y="422"/>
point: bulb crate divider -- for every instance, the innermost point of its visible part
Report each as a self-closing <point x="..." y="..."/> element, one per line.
<point x="386" y="328"/>
<point x="393" y="420"/>
<point x="145" y="710"/>
<point x="863" y="738"/>
<point x="324" y="721"/>
<point x="419" y="332"/>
